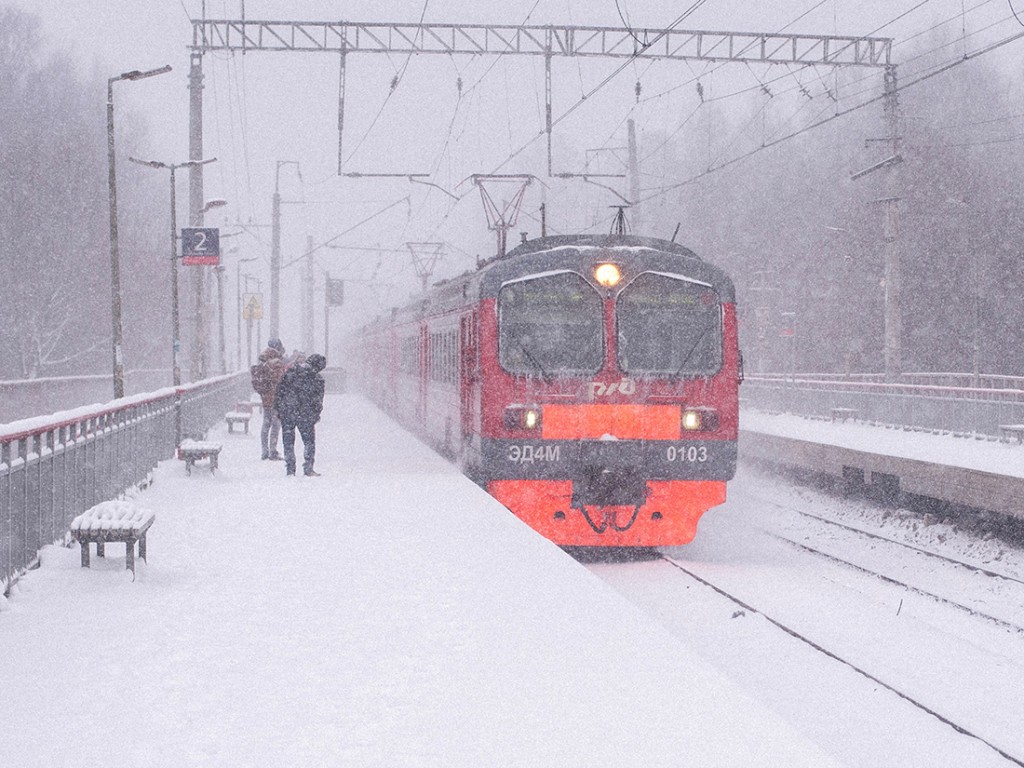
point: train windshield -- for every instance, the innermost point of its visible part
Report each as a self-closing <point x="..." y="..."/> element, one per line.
<point x="669" y="325"/>
<point x="550" y="325"/>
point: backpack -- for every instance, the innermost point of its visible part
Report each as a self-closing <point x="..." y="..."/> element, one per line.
<point x="262" y="378"/>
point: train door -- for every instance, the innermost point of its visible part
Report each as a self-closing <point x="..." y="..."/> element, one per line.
<point x="467" y="376"/>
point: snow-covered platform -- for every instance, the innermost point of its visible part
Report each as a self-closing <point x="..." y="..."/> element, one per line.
<point x="389" y="613"/>
<point x="974" y="471"/>
<point x="980" y="453"/>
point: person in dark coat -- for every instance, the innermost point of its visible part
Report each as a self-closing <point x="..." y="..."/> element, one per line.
<point x="298" y="402"/>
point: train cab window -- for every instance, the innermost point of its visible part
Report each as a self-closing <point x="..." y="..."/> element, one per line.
<point x="550" y="325"/>
<point x="669" y="326"/>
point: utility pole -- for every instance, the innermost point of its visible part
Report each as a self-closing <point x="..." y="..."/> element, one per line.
<point x="893" y="319"/>
<point x="327" y="315"/>
<point x="893" y="276"/>
<point x="275" y="250"/>
<point x="307" y="298"/>
<point x="275" y="258"/>
<point x="220" y="320"/>
<point x="238" y="302"/>
<point x="548" y="123"/>
<point x="634" y="177"/>
<point x="198" y="358"/>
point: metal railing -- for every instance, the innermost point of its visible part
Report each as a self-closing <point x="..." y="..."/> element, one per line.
<point x="53" y="468"/>
<point x="930" y="378"/>
<point x="962" y="409"/>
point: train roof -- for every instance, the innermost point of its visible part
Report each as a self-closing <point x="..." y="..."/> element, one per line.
<point x="648" y="254"/>
<point x="581" y="251"/>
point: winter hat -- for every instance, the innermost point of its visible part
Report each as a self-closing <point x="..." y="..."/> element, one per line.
<point x="316" y="362"/>
<point x="276" y="344"/>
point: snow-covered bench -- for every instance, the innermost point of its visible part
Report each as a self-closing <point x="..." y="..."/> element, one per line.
<point x="113" y="521"/>
<point x="1013" y="430"/>
<point x="238" y="417"/>
<point x="842" y="414"/>
<point x="191" y="451"/>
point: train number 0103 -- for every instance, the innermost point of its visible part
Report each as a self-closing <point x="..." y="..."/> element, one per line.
<point x="690" y="454"/>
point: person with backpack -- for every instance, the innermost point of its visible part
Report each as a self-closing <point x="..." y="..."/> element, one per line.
<point x="298" y="402"/>
<point x="266" y="376"/>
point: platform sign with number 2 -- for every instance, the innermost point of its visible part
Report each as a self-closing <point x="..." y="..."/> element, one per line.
<point x="200" y="246"/>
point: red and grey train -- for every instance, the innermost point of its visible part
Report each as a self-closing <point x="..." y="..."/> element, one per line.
<point x="589" y="383"/>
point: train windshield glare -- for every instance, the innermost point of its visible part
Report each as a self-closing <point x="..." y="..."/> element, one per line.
<point x="668" y="326"/>
<point x="550" y="325"/>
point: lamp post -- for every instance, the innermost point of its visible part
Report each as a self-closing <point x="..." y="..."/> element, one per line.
<point x="175" y="321"/>
<point x="219" y="272"/>
<point x="275" y="248"/>
<point x="238" y="296"/>
<point x="248" y="321"/>
<point x="115" y="258"/>
<point x="219" y="269"/>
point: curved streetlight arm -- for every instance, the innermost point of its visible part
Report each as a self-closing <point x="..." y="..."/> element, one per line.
<point x="176" y="166"/>
<point x="216" y="202"/>
<point x="136" y="74"/>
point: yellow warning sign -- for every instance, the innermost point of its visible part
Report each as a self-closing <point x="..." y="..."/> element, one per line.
<point x="252" y="306"/>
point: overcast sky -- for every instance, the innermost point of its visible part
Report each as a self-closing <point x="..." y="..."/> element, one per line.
<point x="261" y="108"/>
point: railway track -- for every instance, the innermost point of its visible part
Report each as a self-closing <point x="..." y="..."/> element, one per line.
<point x="921" y="550"/>
<point x="796" y="634"/>
<point x="905" y="585"/>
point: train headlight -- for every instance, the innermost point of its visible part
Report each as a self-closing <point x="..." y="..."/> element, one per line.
<point x="608" y="275"/>
<point x="699" y="420"/>
<point x="522" y="417"/>
<point x="531" y="419"/>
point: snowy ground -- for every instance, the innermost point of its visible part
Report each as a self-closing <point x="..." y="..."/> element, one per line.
<point x="981" y="453"/>
<point x="388" y="613"/>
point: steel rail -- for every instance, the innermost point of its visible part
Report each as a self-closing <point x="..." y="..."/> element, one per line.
<point x="836" y="657"/>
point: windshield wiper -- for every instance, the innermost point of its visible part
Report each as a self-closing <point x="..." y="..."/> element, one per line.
<point x="693" y="349"/>
<point x="544" y="374"/>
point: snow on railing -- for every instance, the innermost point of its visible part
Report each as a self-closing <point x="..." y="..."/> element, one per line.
<point x="55" y="467"/>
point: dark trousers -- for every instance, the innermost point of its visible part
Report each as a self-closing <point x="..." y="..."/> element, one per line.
<point x="307" y="432"/>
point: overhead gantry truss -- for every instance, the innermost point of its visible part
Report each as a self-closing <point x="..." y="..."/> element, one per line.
<point x="497" y="39"/>
<point x="346" y="37"/>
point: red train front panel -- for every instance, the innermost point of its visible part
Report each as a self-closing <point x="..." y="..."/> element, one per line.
<point x="609" y="414"/>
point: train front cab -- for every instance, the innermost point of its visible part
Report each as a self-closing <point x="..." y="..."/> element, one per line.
<point x="635" y="437"/>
